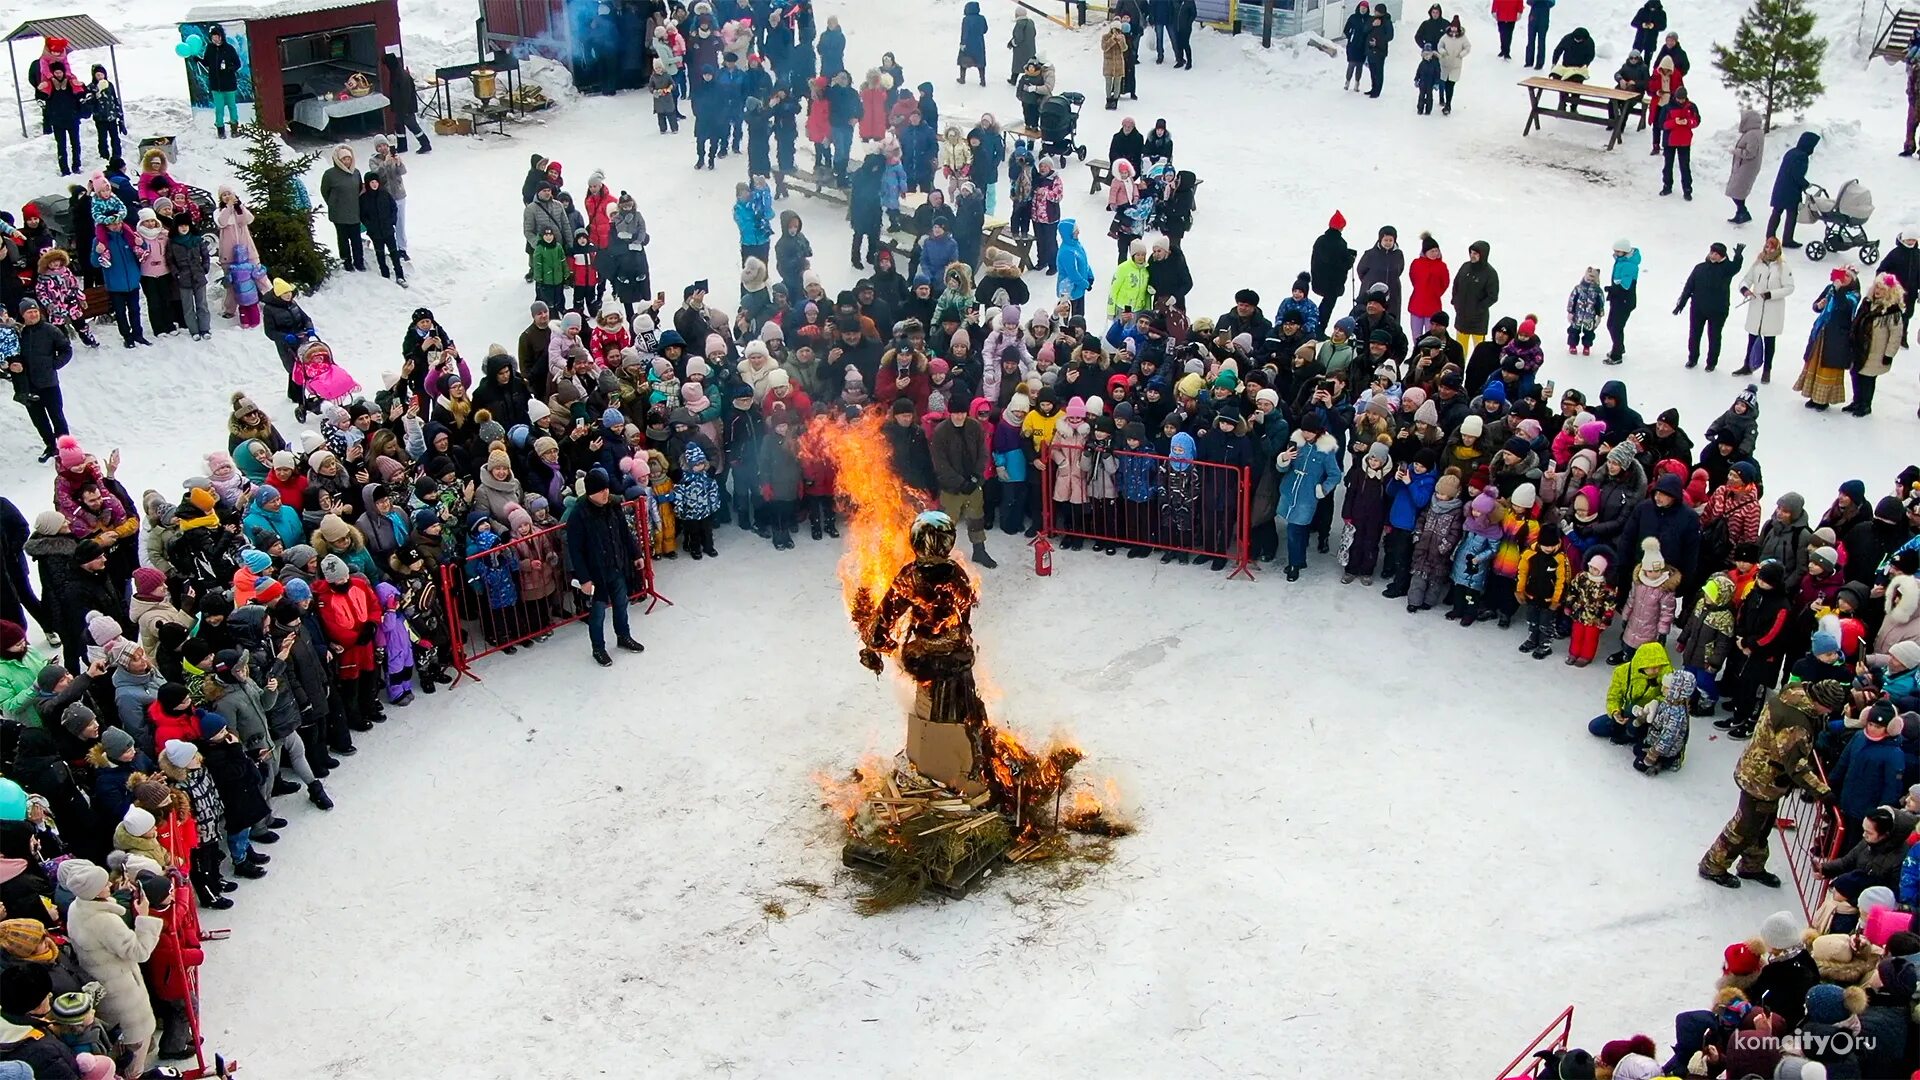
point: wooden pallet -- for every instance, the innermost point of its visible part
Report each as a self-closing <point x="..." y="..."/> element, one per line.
<point x="954" y="886"/>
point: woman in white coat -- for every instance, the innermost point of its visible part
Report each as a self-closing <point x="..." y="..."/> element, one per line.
<point x="112" y="953"/>
<point x="1453" y="49"/>
<point x="1764" y="289"/>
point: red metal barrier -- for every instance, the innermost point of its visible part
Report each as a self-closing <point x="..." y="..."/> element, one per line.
<point x="1553" y="1039"/>
<point x="536" y="562"/>
<point x="1209" y="520"/>
<point x="1810" y="833"/>
<point x="183" y="893"/>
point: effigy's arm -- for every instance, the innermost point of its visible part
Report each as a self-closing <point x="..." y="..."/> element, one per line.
<point x="878" y="634"/>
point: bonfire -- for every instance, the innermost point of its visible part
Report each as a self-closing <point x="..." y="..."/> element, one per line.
<point x="966" y="793"/>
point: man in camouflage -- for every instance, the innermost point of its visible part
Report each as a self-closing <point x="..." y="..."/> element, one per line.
<point x="1778" y="759"/>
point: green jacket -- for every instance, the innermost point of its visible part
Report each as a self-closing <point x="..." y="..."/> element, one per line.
<point x="550" y="264"/>
<point x="1128" y="289"/>
<point x="16" y="687"/>
<point x="1637" y="682"/>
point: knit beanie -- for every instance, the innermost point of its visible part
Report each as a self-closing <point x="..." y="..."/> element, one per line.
<point x="138" y="822"/>
<point x="334" y="569"/>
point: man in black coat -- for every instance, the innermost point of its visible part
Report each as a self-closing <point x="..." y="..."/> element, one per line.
<point x="912" y="455"/>
<point x="222" y="63"/>
<point x="601" y="553"/>
<point x="1185" y="14"/>
<point x="35" y="373"/>
<point x="90" y="589"/>
<point x="1245" y="318"/>
<point x="864" y="208"/>
<point x="62" y="101"/>
<point x="1666" y="516"/>
<point x="1706" y="290"/>
<point x="1332" y="261"/>
<point x="503" y="393"/>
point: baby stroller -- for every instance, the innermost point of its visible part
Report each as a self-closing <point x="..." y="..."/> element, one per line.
<point x="316" y="374"/>
<point x="1845" y="215"/>
<point x="1059" y="117"/>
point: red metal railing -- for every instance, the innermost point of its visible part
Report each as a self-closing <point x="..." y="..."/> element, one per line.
<point x="537" y="563"/>
<point x="1210" y="520"/>
<point x="1810" y="833"/>
<point x="1553" y="1039"/>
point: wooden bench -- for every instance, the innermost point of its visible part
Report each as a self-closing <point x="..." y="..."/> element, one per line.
<point x="1020" y="131"/>
<point x="813" y="188"/>
<point x="1100" y="174"/>
<point x="1584" y="103"/>
<point x="1001" y="237"/>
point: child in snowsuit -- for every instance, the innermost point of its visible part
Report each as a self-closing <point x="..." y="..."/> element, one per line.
<point x="541" y="566"/>
<point x="1103" y="489"/>
<point x="1708" y="638"/>
<point x="1652" y="601"/>
<point x="1542" y="585"/>
<point x="583" y="257"/>
<point x="62" y="300"/>
<point x="493" y="578"/>
<point x="1590" y="604"/>
<point x="1434" y="540"/>
<point x="1668" y="723"/>
<point x="696" y="501"/>
<point x="1135" y="481"/>
<point x="1070" y="472"/>
<point x="394" y="646"/>
<point x="1473" y="556"/>
<point x="792" y="253"/>
<point x="1178" y="497"/>
<point x="1519" y="526"/>
<point x="666" y="538"/>
<point x="246" y="278"/>
<point x="1426" y="78"/>
<point x="1585" y="304"/>
<point x="550" y="271"/>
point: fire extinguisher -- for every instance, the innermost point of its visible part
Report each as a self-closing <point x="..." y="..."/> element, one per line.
<point x="1042" y="557"/>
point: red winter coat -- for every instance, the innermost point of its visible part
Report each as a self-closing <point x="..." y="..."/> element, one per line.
<point x="1681" y="122"/>
<point x="351" y="616"/>
<point x="600" y="206"/>
<point x="798" y="404"/>
<point x="178" y="949"/>
<point x="1506" y="10"/>
<point x="819" y="120"/>
<point x="1430" y="279"/>
<point x="166" y="727"/>
<point x="873" y="113"/>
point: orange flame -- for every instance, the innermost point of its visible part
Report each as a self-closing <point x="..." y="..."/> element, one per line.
<point x="879" y="508"/>
<point x="847" y="795"/>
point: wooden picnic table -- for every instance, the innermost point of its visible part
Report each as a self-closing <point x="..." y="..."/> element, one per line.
<point x="1584" y="103"/>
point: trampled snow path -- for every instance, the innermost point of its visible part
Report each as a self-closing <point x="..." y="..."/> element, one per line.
<point x="1370" y="842"/>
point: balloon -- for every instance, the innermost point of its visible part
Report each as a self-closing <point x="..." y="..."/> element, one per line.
<point x="13" y="801"/>
<point x="184" y="50"/>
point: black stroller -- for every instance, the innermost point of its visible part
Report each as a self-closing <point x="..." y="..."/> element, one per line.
<point x="1059" y="118"/>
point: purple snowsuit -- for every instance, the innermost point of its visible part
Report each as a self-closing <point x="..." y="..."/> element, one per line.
<point x="397" y="641"/>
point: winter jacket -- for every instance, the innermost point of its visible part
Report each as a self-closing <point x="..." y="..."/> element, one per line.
<point x="1331" y="261"/>
<point x="1453" y="50"/>
<point x="1438" y="535"/>
<point x="1651" y="606"/>
<point x="1791" y="181"/>
<point x="1381" y="266"/>
<point x="1430" y="278"/>
<point x="1708" y="285"/>
<point x="187" y="260"/>
<point x="1779" y="757"/>
<point x="1637" y="682"/>
<point x="1128" y="291"/>
<point x="1076" y="273"/>
<point x="1748" y="148"/>
<point x="340" y="191"/>
<point x="1768" y="285"/>
<point x="1476" y="288"/>
<point x="1869" y="774"/>
<point x="1313" y="473"/>
<point x="112" y="953"/>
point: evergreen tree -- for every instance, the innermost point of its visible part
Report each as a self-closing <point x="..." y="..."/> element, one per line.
<point x="282" y="211"/>
<point x="1774" y="62"/>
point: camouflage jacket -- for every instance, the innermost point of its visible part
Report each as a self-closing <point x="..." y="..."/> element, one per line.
<point x="1779" y="757"/>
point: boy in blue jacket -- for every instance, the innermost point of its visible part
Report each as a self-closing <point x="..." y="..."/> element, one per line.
<point x="1408" y="494"/>
<point x="755" y="222"/>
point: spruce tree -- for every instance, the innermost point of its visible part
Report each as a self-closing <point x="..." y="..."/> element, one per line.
<point x="282" y="211"/>
<point x="1774" y="62"/>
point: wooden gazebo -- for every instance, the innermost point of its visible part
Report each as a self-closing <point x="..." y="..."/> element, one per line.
<point x="81" y="34"/>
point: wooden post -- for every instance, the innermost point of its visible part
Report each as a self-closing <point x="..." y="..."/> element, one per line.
<point x="1266" y="27"/>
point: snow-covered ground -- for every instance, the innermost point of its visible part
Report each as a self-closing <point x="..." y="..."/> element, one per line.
<point x="1387" y="850"/>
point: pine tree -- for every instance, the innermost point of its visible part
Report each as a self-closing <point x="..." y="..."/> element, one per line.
<point x="1774" y="62"/>
<point x="282" y="212"/>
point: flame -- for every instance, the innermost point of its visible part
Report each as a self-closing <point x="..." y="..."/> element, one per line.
<point x="1097" y="812"/>
<point x="878" y="511"/>
<point x="879" y="508"/>
<point x="847" y="795"/>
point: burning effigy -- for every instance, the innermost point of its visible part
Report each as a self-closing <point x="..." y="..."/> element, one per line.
<point x="964" y="794"/>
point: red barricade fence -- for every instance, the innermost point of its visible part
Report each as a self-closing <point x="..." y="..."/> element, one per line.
<point x="177" y="930"/>
<point x="1810" y="833"/>
<point x="1148" y="502"/>
<point x="1556" y="1037"/>
<point x="519" y="590"/>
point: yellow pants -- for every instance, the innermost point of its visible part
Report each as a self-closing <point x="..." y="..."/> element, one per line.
<point x="668" y="536"/>
<point x="1468" y="341"/>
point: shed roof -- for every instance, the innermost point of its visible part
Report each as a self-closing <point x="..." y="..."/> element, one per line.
<point x="79" y="30"/>
<point x="279" y="9"/>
